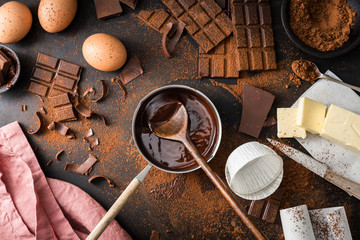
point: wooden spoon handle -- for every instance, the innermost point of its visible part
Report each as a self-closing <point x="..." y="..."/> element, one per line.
<point x="224" y="189"/>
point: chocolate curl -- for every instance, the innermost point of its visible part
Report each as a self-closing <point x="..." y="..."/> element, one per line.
<point x="174" y="39"/>
<point x="96" y="176"/>
<point x="23" y="108"/>
<point x="41" y="123"/>
<point x="93" y="142"/>
<point x="103" y="93"/>
<point x="85" y="112"/>
<point x="131" y="70"/>
<point x="62" y="129"/>
<point x="58" y="155"/>
<point x="88" y="134"/>
<point x="84" y="168"/>
<point x="87" y="91"/>
<point x="122" y="86"/>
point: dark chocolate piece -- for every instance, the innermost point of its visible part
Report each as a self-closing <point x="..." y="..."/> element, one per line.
<point x="23" y="108"/>
<point x="93" y="142"/>
<point x="96" y="176"/>
<point x="107" y="8"/>
<point x="41" y="123"/>
<point x="219" y="62"/>
<point x="104" y="90"/>
<point x="256" y="208"/>
<point x="84" y="111"/>
<point x="254" y="35"/>
<point x="169" y="189"/>
<point x="63" y="108"/>
<point x="256" y="106"/>
<point x="62" y="129"/>
<point x="225" y="6"/>
<point x="205" y="22"/>
<point x="5" y="63"/>
<point x="130" y="3"/>
<point x="122" y="86"/>
<point x="88" y="134"/>
<point x="84" y="168"/>
<point x="156" y="19"/>
<point x="58" y="155"/>
<point x="172" y="40"/>
<point x="271" y="211"/>
<point x="131" y="70"/>
<point x="52" y="76"/>
<point x="154" y="235"/>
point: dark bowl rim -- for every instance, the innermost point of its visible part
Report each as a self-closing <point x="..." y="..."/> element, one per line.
<point x="305" y="48"/>
<point x="10" y="84"/>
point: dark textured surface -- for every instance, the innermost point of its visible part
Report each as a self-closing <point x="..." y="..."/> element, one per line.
<point x="184" y="216"/>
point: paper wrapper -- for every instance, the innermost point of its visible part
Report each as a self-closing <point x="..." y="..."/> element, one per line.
<point x="296" y="223"/>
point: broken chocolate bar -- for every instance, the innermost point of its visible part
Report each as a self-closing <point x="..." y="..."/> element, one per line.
<point x="130" y="3"/>
<point x="254" y="35"/>
<point x="205" y="22"/>
<point x="256" y="106"/>
<point x="170" y="39"/>
<point x="63" y="108"/>
<point x="107" y="8"/>
<point x="219" y="62"/>
<point x="156" y="19"/>
<point x="52" y="76"/>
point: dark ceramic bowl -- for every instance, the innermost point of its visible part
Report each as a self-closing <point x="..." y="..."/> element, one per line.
<point x="353" y="41"/>
<point x="16" y="62"/>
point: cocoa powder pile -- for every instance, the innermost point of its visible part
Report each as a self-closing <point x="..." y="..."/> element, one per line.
<point x="305" y="70"/>
<point x="322" y="24"/>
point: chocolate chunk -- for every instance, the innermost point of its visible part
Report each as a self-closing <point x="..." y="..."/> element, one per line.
<point x="96" y="176"/>
<point x="156" y="19"/>
<point x="256" y="106"/>
<point x="52" y="76"/>
<point x="40" y="123"/>
<point x="254" y="35"/>
<point x="205" y="22"/>
<point x="58" y="154"/>
<point x="5" y="63"/>
<point x="84" y="111"/>
<point x="256" y="208"/>
<point x="219" y="62"/>
<point x="131" y="70"/>
<point x="104" y="91"/>
<point x="107" y="8"/>
<point x="271" y="211"/>
<point x="84" y="168"/>
<point x="154" y="235"/>
<point x="93" y="142"/>
<point x="130" y="3"/>
<point x="62" y="129"/>
<point x="169" y="47"/>
<point x="88" y="134"/>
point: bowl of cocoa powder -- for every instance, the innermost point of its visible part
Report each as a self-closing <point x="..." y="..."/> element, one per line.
<point x="322" y="28"/>
<point x="9" y="68"/>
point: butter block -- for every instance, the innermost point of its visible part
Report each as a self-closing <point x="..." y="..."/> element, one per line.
<point x="311" y="115"/>
<point x="342" y="127"/>
<point x="286" y="124"/>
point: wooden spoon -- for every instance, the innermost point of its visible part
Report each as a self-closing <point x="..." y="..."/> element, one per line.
<point x="177" y="129"/>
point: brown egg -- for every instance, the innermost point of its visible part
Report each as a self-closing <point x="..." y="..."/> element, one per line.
<point x="15" y="22"/>
<point x="56" y="15"/>
<point x="104" y="52"/>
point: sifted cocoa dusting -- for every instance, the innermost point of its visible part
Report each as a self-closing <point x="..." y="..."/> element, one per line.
<point x="322" y="24"/>
<point x="305" y="70"/>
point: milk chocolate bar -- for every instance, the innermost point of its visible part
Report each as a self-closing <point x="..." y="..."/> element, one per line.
<point x="156" y="19"/>
<point x="254" y="35"/>
<point x="205" y="21"/>
<point x="130" y="3"/>
<point x="107" y="8"/>
<point x="63" y="108"/>
<point x="220" y="61"/>
<point x="52" y="76"/>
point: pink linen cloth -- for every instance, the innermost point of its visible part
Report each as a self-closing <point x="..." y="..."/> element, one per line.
<point x="35" y="207"/>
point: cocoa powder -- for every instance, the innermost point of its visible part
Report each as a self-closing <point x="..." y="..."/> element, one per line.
<point x="322" y="24"/>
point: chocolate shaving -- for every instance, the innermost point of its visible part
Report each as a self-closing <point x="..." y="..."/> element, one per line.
<point x="170" y="189"/>
<point x="84" y="111"/>
<point x="93" y="142"/>
<point x="23" y="108"/>
<point x="84" y="168"/>
<point x="122" y="86"/>
<point x="87" y="91"/>
<point x="96" y="176"/>
<point x="270" y="121"/>
<point x="48" y="163"/>
<point x="173" y="40"/>
<point x="41" y="123"/>
<point x="131" y="70"/>
<point x="42" y="110"/>
<point x="88" y="134"/>
<point x="62" y="129"/>
<point x="104" y="91"/>
<point x="58" y="155"/>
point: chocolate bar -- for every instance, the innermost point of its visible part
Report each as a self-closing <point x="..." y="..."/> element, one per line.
<point x="256" y="208"/>
<point x="156" y="19"/>
<point x="254" y="35"/>
<point x="225" y="6"/>
<point x="107" y="8"/>
<point x="220" y="61"/>
<point x="205" y="22"/>
<point x="63" y="108"/>
<point x="256" y="106"/>
<point x="130" y="3"/>
<point x="52" y="76"/>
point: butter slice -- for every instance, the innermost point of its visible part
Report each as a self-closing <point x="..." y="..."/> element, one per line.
<point x="311" y="115"/>
<point x="286" y="124"/>
<point x="342" y="127"/>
